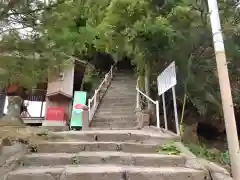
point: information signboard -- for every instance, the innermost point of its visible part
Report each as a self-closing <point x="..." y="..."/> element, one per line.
<point x="167" y="79"/>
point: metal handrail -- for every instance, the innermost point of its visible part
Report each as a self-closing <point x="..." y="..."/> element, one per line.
<point x="92" y="109"/>
<point x="150" y="99"/>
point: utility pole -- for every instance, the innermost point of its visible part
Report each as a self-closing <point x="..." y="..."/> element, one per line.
<point x="227" y="103"/>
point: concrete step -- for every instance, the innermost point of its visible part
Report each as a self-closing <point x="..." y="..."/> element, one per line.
<point x="125" y="83"/>
<point x="114" y="93"/>
<point x="117" y="111"/>
<point x="114" y="115"/>
<point x="79" y="146"/>
<point x="105" y="172"/>
<point x="119" y="105"/>
<point x="119" y="100"/>
<point x="121" y="158"/>
<point x="122" y="88"/>
<point x="111" y="125"/>
<point x="118" y="136"/>
<point x="114" y="120"/>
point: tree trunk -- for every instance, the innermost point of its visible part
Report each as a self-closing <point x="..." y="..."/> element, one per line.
<point x="190" y="133"/>
<point x="147" y="85"/>
<point x="13" y="114"/>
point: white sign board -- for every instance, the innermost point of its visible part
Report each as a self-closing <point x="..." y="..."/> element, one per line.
<point x="167" y="79"/>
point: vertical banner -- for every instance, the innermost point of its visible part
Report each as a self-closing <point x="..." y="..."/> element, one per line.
<point x="77" y="112"/>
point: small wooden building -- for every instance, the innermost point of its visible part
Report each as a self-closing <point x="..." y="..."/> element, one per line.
<point x="61" y="89"/>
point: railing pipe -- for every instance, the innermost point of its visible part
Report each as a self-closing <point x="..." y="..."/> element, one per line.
<point x="92" y="110"/>
<point x="150" y="99"/>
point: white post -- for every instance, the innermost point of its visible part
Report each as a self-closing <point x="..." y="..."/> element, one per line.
<point x="89" y="110"/>
<point x="95" y="99"/>
<point x="225" y="89"/>
<point x="175" y="110"/>
<point x="111" y="72"/>
<point x="164" y="111"/>
<point x="157" y="114"/>
<point x="138" y="100"/>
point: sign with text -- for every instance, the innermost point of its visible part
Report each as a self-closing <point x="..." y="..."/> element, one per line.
<point x="79" y="102"/>
<point x="167" y="79"/>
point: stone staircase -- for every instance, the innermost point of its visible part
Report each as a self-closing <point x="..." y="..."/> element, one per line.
<point x="117" y="109"/>
<point x="108" y="154"/>
<point x="105" y="155"/>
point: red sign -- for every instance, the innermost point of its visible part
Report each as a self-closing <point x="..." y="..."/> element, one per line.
<point x="55" y="114"/>
<point x="80" y="106"/>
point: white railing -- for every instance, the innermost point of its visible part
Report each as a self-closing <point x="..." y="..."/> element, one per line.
<point x="156" y="103"/>
<point x="94" y="101"/>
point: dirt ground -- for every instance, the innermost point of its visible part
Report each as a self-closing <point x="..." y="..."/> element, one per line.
<point x="10" y="133"/>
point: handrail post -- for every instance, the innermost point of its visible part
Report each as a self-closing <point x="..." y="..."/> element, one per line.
<point x="138" y="100"/>
<point x="157" y="114"/>
<point x="111" y="72"/>
<point x="89" y="109"/>
<point x="95" y="98"/>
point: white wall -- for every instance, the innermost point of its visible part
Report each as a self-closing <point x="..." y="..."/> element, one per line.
<point x="34" y="108"/>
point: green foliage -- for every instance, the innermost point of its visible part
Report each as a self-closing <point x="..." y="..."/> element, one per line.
<point x="170" y="149"/>
<point x="216" y="156"/>
<point x="91" y="79"/>
<point x="152" y="33"/>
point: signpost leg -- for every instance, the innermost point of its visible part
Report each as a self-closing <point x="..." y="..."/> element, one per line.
<point x="157" y="114"/>
<point x="175" y="110"/>
<point x="164" y="111"/>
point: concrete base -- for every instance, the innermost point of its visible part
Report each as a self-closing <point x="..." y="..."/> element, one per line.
<point x="54" y="123"/>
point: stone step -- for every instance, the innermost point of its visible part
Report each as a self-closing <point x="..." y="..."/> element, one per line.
<point x="122" y="88"/>
<point x="114" y="115"/>
<point x="124" y="83"/>
<point x="105" y="172"/>
<point x="119" y="78"/>
<point x="98" y="119"/>
<point x="78" y="146"/>
<point x="121" y="158"/>
<point x="117" y="99"/>
<point x="121" y="94"/>
<point x="120" y="109"/>
<point x="118" y="136"/>
<point x="111" y="125"/>
<point x="119" y="105"/>
<point x="114" y="121"/>
<point x="117" y="111"/>
<point x="117" y="118"/>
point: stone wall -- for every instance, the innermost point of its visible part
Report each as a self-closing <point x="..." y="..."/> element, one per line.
<point x="10" y="154"/>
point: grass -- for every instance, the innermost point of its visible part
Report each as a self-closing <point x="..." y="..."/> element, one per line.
<point x="201" y="151"/>
<point x="169" y="149"/>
